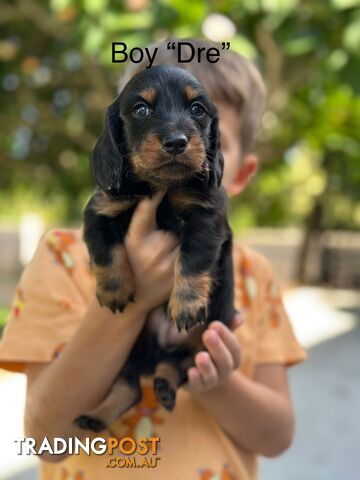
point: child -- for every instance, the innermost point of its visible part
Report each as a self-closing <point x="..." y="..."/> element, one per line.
<point x="237" y="402"/>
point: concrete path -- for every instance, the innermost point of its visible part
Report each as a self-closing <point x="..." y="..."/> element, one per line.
<point x="325" y="389"/>
<point x="326" y="392"/>
<point x="12" y="400"/>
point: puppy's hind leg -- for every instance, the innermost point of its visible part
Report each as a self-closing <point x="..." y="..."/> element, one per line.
<point x="166" y="382"/>
<point x="121" y="397"/>
<point x="168" y="377"/>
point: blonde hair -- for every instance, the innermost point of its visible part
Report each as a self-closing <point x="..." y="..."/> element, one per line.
<point x="233" y="79"/>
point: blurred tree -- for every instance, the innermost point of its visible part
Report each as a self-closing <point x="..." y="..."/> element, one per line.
<point x="56" y="77"/>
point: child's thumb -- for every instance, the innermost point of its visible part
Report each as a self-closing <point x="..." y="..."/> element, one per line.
<point x="143" y="220"/>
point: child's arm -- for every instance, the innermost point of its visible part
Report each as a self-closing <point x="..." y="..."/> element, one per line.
<point x="80" y="377"/>
<point x="257" y="414"/>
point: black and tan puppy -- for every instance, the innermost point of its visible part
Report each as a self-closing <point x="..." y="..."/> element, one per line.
<point x="161" y="134"/>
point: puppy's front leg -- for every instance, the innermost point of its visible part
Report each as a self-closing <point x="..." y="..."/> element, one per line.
<point x="201" y="239"/>
<point x="106" y="222"/>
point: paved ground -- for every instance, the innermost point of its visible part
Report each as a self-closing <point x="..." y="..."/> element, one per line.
<point x="30" y="473"/>
<point x="326" y="391"/>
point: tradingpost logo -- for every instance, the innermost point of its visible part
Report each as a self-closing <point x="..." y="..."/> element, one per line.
<point x="124" y="452"/>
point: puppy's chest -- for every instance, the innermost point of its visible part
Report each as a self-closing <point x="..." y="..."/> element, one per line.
<point x="176" y="207"/>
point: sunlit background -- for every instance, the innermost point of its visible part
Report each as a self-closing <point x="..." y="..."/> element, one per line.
<point x="302" y="210"/>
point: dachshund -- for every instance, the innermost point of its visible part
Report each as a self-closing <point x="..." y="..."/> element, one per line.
<point x="161" y="134"/>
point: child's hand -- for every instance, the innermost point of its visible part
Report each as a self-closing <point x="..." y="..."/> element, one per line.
<point x="222" y="357"/>
<point x="152" y="254"/>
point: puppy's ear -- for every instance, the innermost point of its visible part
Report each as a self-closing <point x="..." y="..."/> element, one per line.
<point x="107" y="157"/>
<point x="214" y="156"/>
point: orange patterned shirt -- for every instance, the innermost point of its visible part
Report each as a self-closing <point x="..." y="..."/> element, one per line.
<point x="50" y="301"/>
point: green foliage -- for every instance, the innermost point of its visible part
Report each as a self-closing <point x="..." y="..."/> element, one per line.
<point x="4" y="313"/>
<point x="56" y="77"/>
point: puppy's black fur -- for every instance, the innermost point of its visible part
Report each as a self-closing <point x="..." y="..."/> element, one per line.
<point x="161" y="134"/>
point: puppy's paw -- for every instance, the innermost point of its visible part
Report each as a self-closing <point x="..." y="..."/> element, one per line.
<point x="165" y="393"/>
<point x="89" y="423"/>
<point x="188" y="304"/>
<point x="115" y="293"/>
<point x="187" y="313"/>
<point x="188" y="316"/>
<point x="115" y="286"/>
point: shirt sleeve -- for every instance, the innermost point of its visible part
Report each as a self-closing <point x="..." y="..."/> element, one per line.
<point x="277" y="342"/>
<point x="47" y="306"/>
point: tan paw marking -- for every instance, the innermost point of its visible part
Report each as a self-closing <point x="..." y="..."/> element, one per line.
<point x="115" y="282"/>
<point x="189" y="300"/>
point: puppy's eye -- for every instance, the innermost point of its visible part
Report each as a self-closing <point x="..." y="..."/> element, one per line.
<point x="141" y="110"/>
<point x="197" y="110"/>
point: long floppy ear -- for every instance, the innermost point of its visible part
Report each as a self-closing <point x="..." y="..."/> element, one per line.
<point x="107" y="157"/>
<point x="214" y="156"/>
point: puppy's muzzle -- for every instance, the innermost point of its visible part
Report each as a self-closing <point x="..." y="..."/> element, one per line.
<point x="175" y="143"/>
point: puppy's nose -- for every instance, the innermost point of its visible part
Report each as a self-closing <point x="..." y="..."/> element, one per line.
<point x="175" y="143"/>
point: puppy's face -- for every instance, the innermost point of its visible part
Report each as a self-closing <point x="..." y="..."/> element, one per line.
<point x="167" y="118"/>
<point x="163" y="128"/>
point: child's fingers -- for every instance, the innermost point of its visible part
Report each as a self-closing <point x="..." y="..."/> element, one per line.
<point x="230" y="341"/>
<point x="143" y="220"/>
<point x="237" y="320"/>
<point x="219" y="353"/>
<point x="195" y="380"/>
<point x="207" y="369"/>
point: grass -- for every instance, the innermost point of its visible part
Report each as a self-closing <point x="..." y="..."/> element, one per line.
<point x="4" y="312"/>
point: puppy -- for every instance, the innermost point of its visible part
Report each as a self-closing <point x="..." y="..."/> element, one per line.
<point x="161" y="134"/>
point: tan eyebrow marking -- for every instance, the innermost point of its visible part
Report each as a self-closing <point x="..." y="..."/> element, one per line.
<point x="148" y="94"/>
<point x="191" y="92"/>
